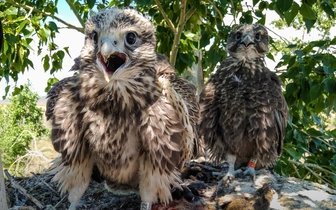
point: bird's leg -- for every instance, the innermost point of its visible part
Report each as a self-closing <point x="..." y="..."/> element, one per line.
<point x="145" y="206"/>
<point x="75" y="178"/>
<point x="250" y="170"/>
<point x="230" y="175"/>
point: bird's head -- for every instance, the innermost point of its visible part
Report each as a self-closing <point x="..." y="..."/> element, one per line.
<point x="248" y="42"/>
<point x="118" y="38"/>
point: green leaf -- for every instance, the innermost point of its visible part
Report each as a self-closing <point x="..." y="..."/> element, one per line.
<point x="91" y="3"/>
<point x="270" y="56"/>
<point x="328" y="9"/>
<point x="329" y="85"/>
<point x="292" y="13"/>
<point x="21" y="26"/>
<point x="190" y="35"/>
<point x="53" y="26"/>
<point x="283" y="5"/>
<point x="60" y="54"/>
<point x="144" y="2"/>
<point x="307" y="12"/>
<point x="313" y="132"/>
<point x="293" y="153"/>
<point x="309" y="23"/>
<point x="315" y="91"/>
<point x="46" y="64"/>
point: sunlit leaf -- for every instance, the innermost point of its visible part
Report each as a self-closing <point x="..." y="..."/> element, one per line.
<point x="46" y="64"/>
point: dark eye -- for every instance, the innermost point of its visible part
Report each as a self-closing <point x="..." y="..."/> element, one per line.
<point x="258" y="36"/>
<point x="95" y="37"/>
<point x="238" y="36"/>
<point x="131" y="38"/>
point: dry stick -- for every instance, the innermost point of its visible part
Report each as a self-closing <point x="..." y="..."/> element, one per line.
<point x="52" y="189"/>
<point x="190" y="164"/>
<point x="3" y="200"/>
<point x="22" y="190"/>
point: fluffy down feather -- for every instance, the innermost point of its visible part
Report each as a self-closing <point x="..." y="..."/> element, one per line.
<point x="125" y="112"/>
<point x="243" y="110"/>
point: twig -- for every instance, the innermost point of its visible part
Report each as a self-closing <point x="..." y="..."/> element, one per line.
<point x="76" y="13"/>
<point x="216" y="9"/>
<point x="22" y="190"/>
<point x="178" y="33"/>
<point x="22" y="208"/>
<point x="3" y="199"/>
<point x="170" y="24"/>
<point x="234" y="12"/>
<point x="308" y="166"/>
<point x="52" y="189"/>
<point x="46" y="14"/>
<point x="202" y="166"/>
<point x="61" y="201"/>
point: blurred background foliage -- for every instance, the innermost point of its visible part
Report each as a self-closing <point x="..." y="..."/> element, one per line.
<point x="193" y="35"/>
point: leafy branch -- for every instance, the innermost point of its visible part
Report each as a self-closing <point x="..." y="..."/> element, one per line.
<point x="312" y="168"/>
<point x="184" y="17"/>
<point x="76" y="13"/>
<point x="45" y="14"/>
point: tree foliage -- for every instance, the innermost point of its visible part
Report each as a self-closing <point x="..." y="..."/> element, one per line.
<point x="20" y="122"/>
<point x="193" y="35"/>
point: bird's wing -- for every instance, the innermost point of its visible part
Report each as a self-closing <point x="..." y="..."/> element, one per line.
<point x="73" y="170"/>
<point x="167" y="138"/>
<point x="188" y="93"/>
<point x="64" y="109"/>
<point x="209" y="116"/>
<point x="53" y="96"/>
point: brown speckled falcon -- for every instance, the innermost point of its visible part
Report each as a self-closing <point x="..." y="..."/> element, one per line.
<point x="125" y="113"/>
<point x="243" y="111"/>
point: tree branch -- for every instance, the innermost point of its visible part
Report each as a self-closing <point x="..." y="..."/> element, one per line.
<point x="170" y="24"/>
<point x="190" y="13"/>
<point x="234" y="12"/>
<point x="46" y="14"/>
<point x="308" y="166"/>
<point x="177" y="35"/>
<point x="76" y="13"/>
<point x="216" y="9"/>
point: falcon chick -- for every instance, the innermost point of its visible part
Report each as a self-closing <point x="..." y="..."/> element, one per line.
<point x="125" y="112"/>
<point x="243" y="111"/>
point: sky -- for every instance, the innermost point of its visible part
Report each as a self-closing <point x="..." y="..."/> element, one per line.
<point x="75" y="40"/>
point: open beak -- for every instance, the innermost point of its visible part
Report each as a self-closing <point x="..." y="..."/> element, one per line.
<point x="110" y="59"/>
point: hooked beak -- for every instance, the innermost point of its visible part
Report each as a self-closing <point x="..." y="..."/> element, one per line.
<point x="110" y="59"/>
<point x="247" y="41"/>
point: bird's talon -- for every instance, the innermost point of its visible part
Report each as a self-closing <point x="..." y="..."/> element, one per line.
<point x="250" y="171"/>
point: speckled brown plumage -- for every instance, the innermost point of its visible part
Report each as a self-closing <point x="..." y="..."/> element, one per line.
<point x="243" y="110"/>
<point x="119" y="114"/>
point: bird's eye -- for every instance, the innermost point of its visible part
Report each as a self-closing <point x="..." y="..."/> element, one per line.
<point x="258" y="36"/>
<point x="95" y="37"/>
<point x="131" y="38"/>
<point x="238" y="36"/>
